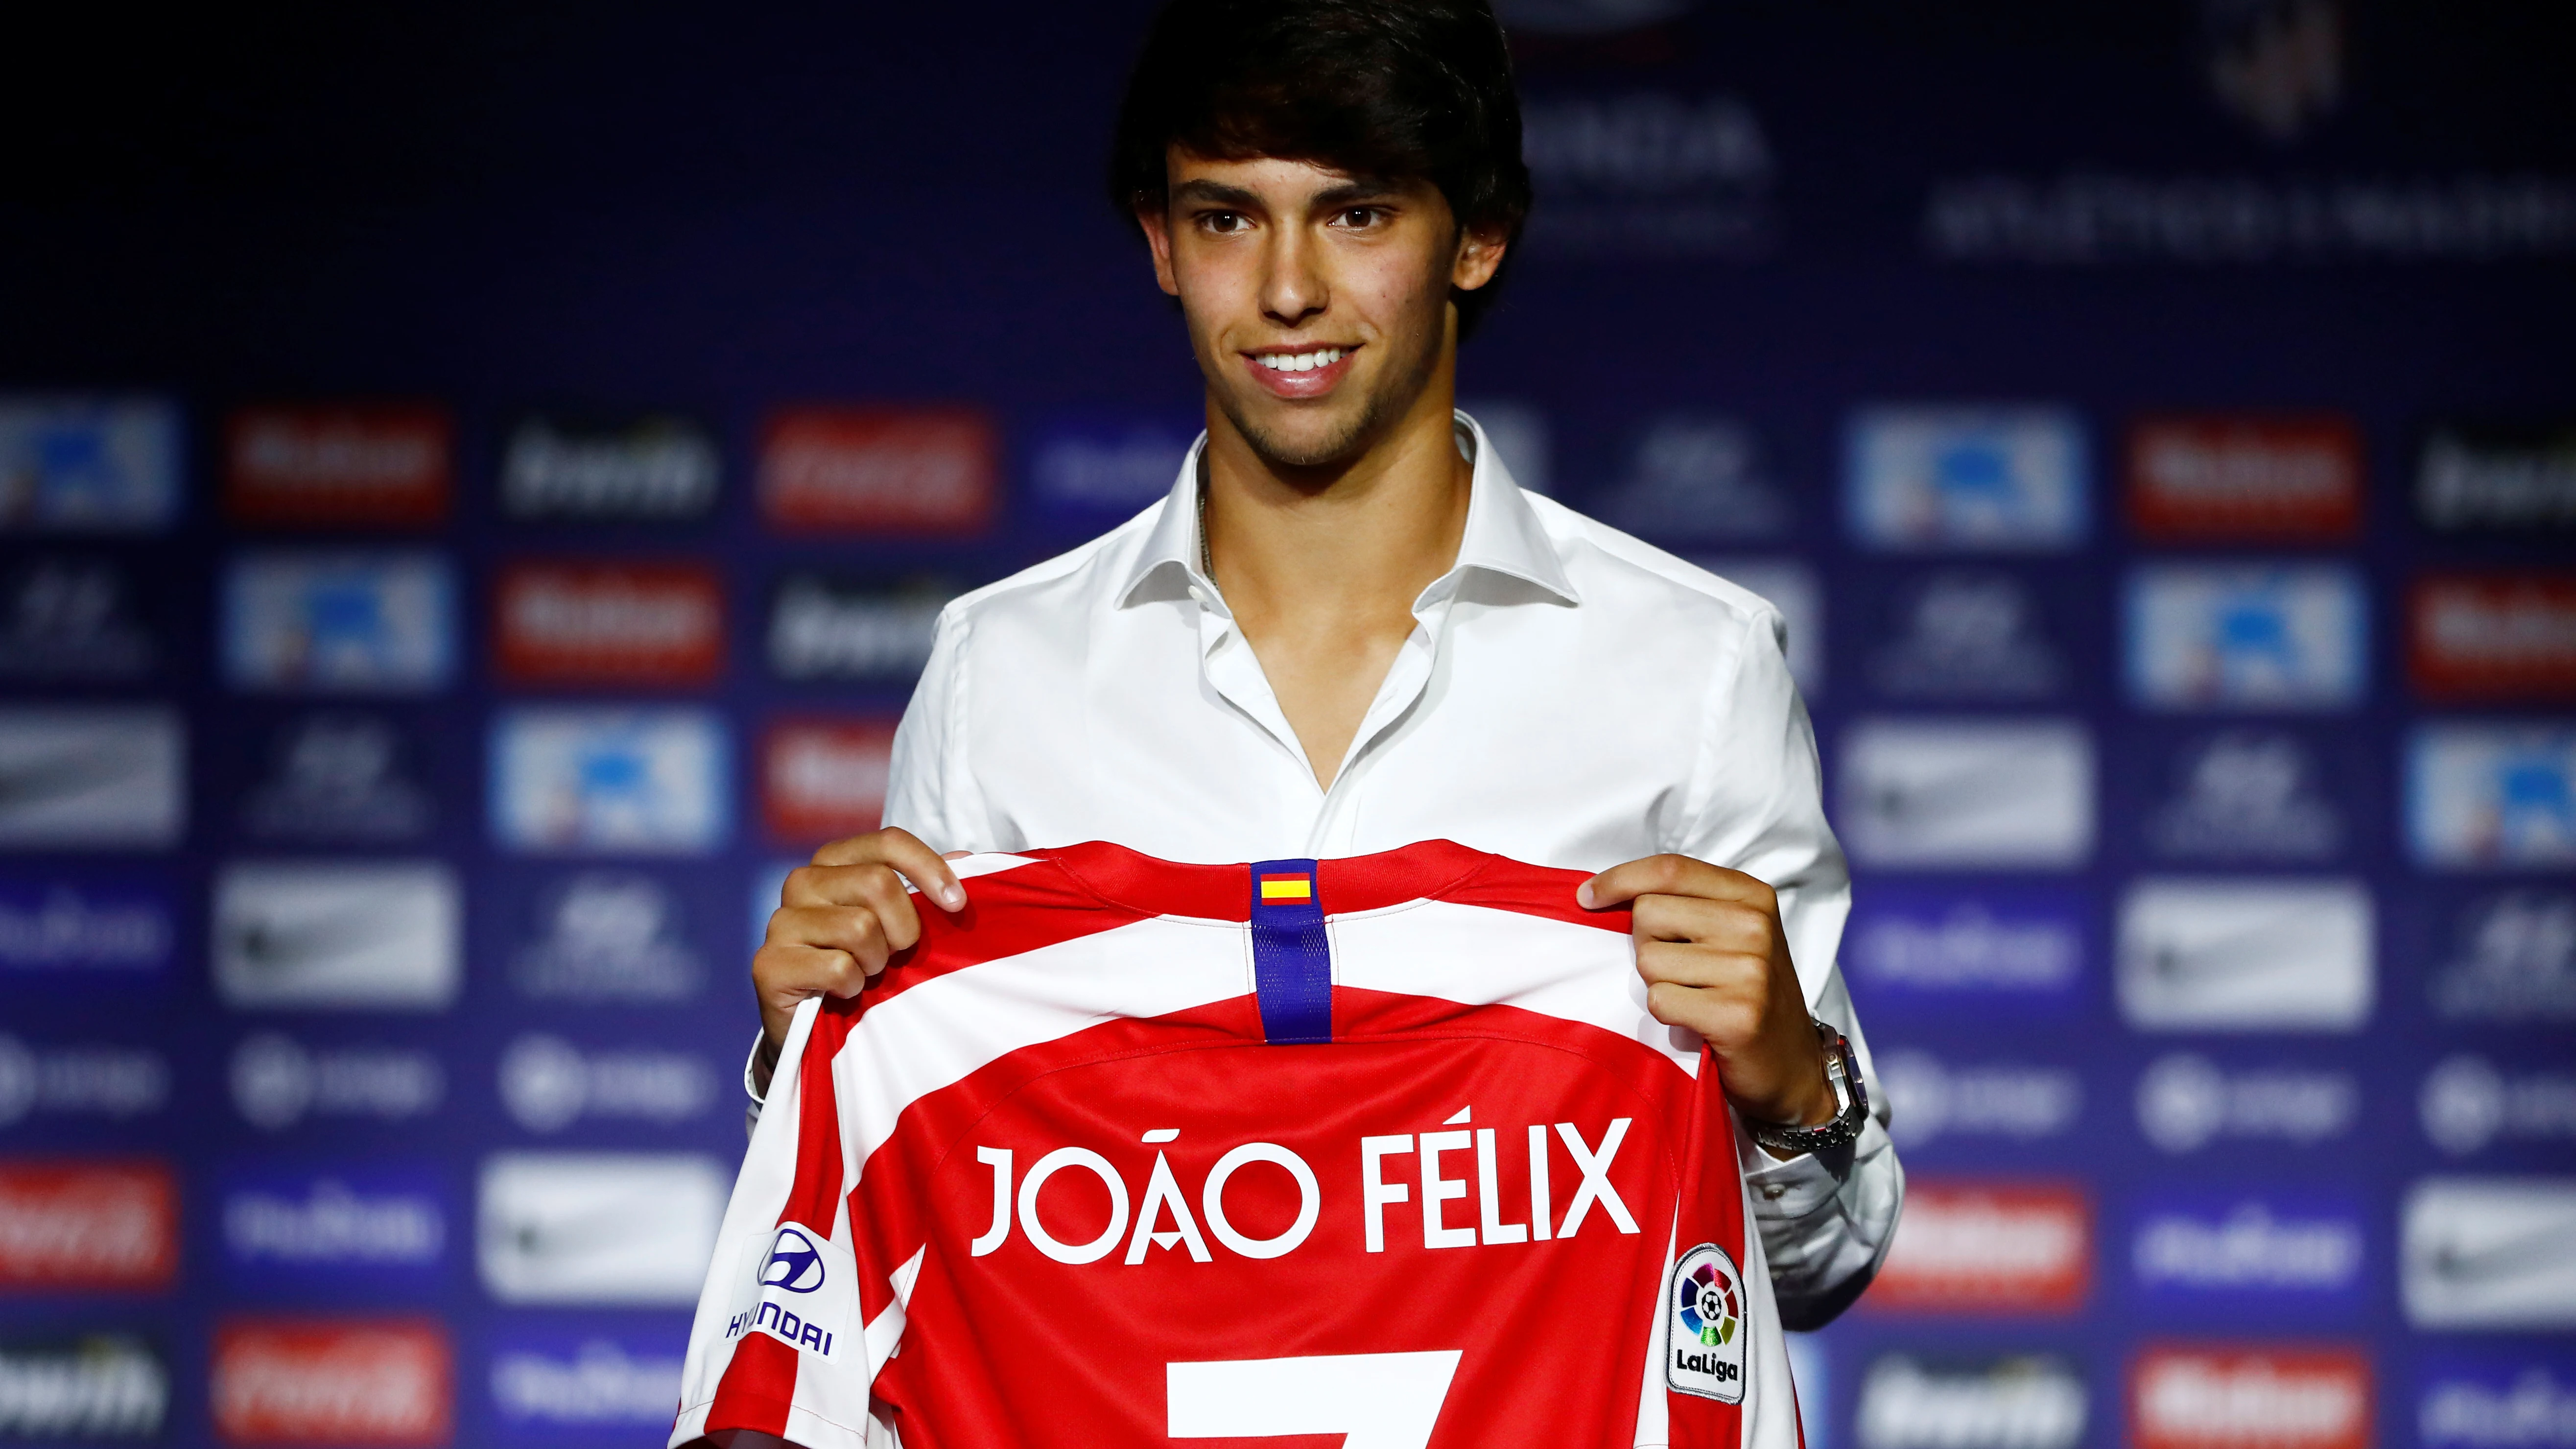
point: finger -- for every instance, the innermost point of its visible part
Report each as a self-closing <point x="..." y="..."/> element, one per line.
<point x="835" y="885"/>
<point x="1731" y="925"/>
<point x="787" y="972"/>
<point x="1681" y="963"/>
<point x="1673" y="875"/>
<point x="1724" y="1024"/>
<point x="901" y="849"/>
<point x="855" y="929"/>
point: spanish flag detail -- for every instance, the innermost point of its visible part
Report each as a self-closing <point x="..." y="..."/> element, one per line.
<point x="1282" y="889"/>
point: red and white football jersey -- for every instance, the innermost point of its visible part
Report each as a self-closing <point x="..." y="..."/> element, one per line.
<point x="1128" y="1153"/>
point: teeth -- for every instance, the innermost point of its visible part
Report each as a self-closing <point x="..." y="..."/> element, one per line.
<point x="1302" y="361"/>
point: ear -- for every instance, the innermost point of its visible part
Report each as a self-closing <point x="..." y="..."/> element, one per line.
<point x="1156" y="222"/>
<point x="1480" y="255"/>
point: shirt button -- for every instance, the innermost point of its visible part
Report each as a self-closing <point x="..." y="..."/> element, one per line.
<point x="1774" y="1191"/>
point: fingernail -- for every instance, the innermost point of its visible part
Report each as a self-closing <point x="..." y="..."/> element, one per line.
<point x="953" y="897"/>
<point x="1583" y="895"/>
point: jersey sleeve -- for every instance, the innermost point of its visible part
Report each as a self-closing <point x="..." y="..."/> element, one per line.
<point x="1717" y="1371"/>
<point x="798" y="1315"/>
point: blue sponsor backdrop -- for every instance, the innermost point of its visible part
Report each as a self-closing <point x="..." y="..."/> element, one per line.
<point x="2094" y="393"/>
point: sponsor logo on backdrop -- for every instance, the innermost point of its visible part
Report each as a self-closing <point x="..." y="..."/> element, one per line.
<point x="2493" y="636"/>
<point x="854" y="630"/>
<point x="1966" y="1246"/>
<point x="75" y="1225"/>
<point x="656" y="468"/>
<point x="547" y="1384"/>
<point x="879" y="470"/>
<point x="73" y="618"/>
<point x="2514" y="959"/>
<point x="339" y="622"/>
<point x="92" y="778"/>
<point x="332" y="1381"/>
<point x="2018" y="1102"/>
<point x="1790" y="586"/>
<point x="620" y="624"/>
<point x="89" y="1080"/>
<point x="339" y="776"/>
<point x="643" y="781"/>
<point x="2185" y="1102"/>
<point x="1968" y="634"/>
<point x="356" y="1228"/>
<point x="1985" y="950"/>
<point x="348" y="465"/>
<point x="824" y="778"/>
<point x="89" y="464"/>
<point x="2247" y="795"/>
<point x="277" y="1082"/>
<point x="2503" y="1403"/>
<point x="599" y="1227"/>
<point x="2088" y="217"/>
<point x="2224" y="477"/>
<point x="2227" y="1396"/>
<point x="2239" y="955"/>
<point x="1094" y="470"/>
<point x="2492" y="795"/>
<point x="85" y="930"/>
<point x="2246" y="636"/>
<point x="2021" y="1401"/>
<point x="2504" y="479"/>
<point x="370" y="937"/>
<point x="1694" y="478"/>
<point x="97" y="1388"/>
<point x="604" y="935"/>
<point x="2489" y="1253"/>
<point x="1649" y="174"/>
<point x="2467" y="1104"/>
<point x="2274" y="1249"/>
<point x="1968" y="793"/>
<point x="1950" y="479"/>
<point x="548" y="1084"/>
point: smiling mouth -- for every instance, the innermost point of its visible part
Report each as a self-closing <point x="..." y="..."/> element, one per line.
<point x="1309" y="373"/>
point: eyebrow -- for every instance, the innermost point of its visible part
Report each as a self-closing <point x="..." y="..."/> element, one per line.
<point x="1217" y="193"/>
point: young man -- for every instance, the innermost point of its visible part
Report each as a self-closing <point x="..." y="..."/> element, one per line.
<point x="1346" y="629"/>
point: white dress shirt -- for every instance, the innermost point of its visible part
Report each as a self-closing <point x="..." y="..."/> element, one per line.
<point x="1569" y="697"/>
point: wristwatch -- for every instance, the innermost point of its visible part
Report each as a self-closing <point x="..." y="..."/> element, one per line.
<point x="1851" y="1104"/>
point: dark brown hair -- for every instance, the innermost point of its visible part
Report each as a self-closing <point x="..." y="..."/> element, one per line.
<point x="1395" y="89"/>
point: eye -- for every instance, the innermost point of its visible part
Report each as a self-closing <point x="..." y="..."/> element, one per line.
<point x="1222" y="222"/>
<point x="1359" y="218"/>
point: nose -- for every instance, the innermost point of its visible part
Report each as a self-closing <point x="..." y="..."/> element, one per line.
<point x="1293" y="288"/>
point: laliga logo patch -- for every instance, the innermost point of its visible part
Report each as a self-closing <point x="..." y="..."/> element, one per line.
<point x="1708" y="1327"/>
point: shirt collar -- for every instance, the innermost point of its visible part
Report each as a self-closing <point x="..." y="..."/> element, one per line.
<point x="1503" y="534"/>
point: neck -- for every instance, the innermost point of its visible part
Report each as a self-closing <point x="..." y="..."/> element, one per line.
<point x="1351" y="542"/>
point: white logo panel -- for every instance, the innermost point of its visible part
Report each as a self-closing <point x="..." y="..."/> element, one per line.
<point x="646" y="781"/>
<point x="92" y="778"/>
<point x="340" y="622"/>
<point x="598" y="1227"/>
<point x="2493" y="796"/>
<point x="1968" y="793"/>
<point x="2490" y="1253"/>
<point x="2010" y="479"/>
<point x="2237" y="955"/>
<point x="373" y="937"/>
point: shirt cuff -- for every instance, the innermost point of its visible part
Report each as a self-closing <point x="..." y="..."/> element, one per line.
<point x="1792" y="1189"/>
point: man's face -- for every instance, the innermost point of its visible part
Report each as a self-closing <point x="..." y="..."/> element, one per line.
<point x="1317" y="302"/>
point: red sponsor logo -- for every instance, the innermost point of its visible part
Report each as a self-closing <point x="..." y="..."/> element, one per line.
<point x="2245" y="477"/>
<point x="616" y="624"/>
<point x="92" y="1225"/>
<point x="358" y="465"/>
<point x="879" y="470"/>
<point x="1989" y="1247"/>
<point x="2230" y="1396"/>
<point x="2493" y="636"/>
<point x="332" y="1381"/>
<point x="825" y="778"/>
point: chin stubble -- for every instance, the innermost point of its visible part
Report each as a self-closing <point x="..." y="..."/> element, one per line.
<point x="1344" y="444"/>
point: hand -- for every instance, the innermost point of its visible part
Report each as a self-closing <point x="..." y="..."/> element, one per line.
<point x="840" y="918"/>
<point x="1715" y="960"/>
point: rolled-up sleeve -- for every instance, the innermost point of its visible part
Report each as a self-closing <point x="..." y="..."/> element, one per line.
<point x="1826" y="1219"/>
